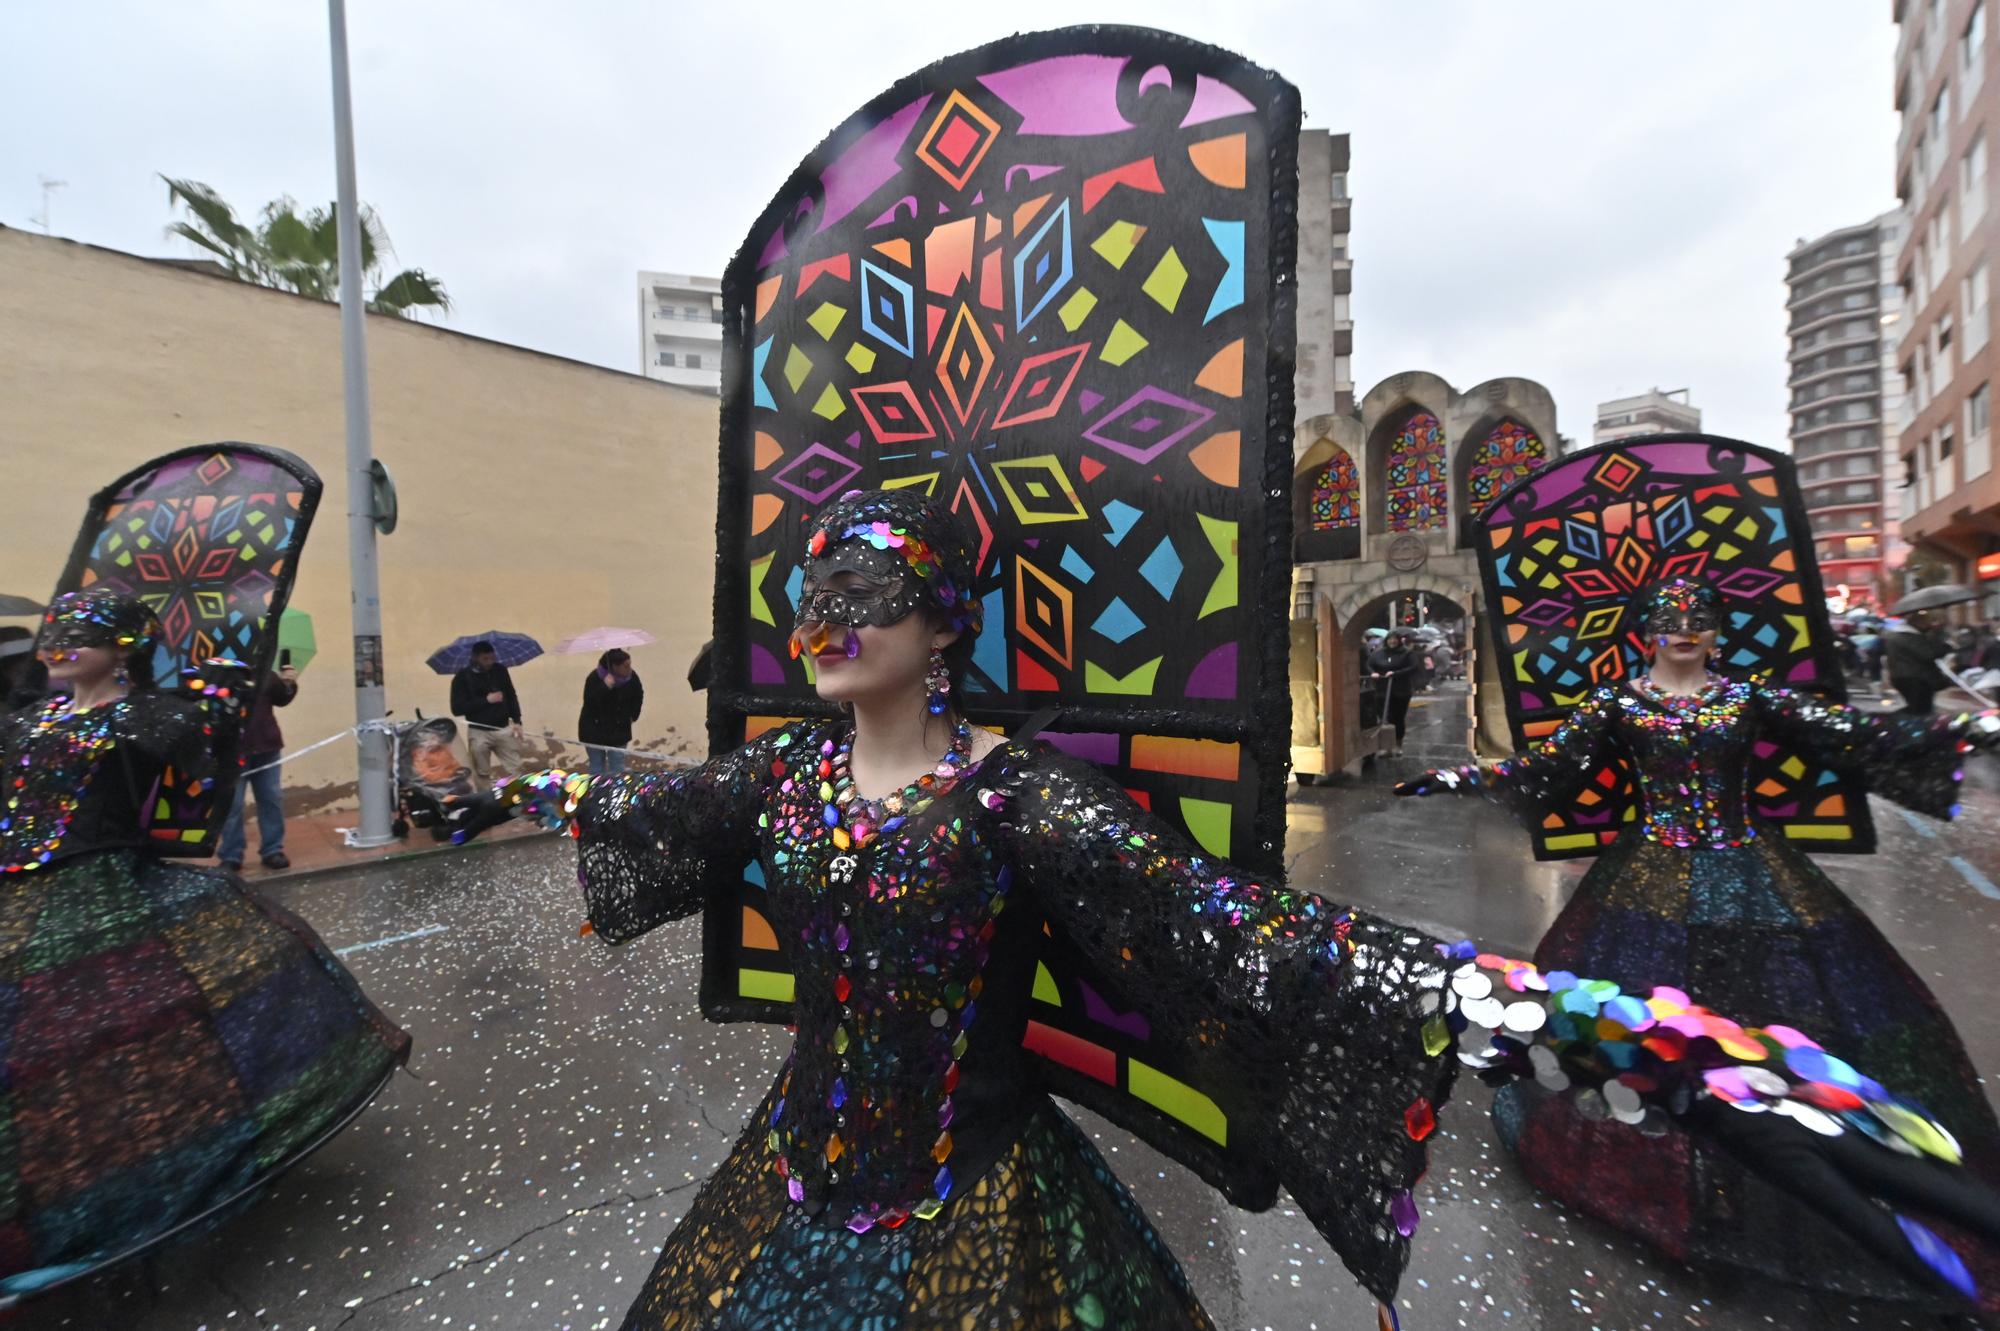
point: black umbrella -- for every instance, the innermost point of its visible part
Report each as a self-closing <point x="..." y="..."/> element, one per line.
<point x="512" y="648"/>
<point x="1933" y="598"/>
<point x="703" y="668"/>
<point x="17" y="606"/>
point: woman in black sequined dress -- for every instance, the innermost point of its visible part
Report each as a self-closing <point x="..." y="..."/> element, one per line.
<point x="906" y="1169"/>
<point x="1697" y="895"/>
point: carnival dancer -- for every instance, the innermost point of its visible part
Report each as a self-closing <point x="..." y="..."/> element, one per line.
<point x="171" y="1040"/>
<point x="906" y="1169"/>
<point x="1697" y="895"/>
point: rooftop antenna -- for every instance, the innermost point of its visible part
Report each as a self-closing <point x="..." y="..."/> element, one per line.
<point x="49" y="187"/>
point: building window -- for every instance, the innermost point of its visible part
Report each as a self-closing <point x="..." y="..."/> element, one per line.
<point x="1972" y="185"/>
<point x="1336" y="494"/>
<point x="715" y="316"/>
<point x="1938" y="129"/>
<point x="1418" y="491"/>
<point x="667" y="358"/>
<point x="1510" y="452"/>
<point x="1974" y="297"/>
<point x="1972" y="55"/>
<point x="692" y="312"/>
<point x="1979" y="432"/>
<point x="693" y="360"/>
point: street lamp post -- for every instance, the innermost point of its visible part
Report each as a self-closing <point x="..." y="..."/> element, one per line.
<point x="372" y="743"/>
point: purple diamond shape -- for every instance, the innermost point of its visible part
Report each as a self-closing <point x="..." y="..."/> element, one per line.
<point x="1749" y="582"/>
<point x="817" y="473"/>
<point x="1547" y="613"/>
<point x="1181" y="416"/>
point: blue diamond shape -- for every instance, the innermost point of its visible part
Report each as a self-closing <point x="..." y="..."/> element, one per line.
<point x="1162" y="568"/>
<point x="1117" y="622"/>
<point x="1121" y="516"/>
<point x="1072" y="564"/>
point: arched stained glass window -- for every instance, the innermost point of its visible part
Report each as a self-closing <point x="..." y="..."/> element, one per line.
<point x="1510" y="452"/>
<point x="1336" y="494"/>
<point x="1417" y="484"/>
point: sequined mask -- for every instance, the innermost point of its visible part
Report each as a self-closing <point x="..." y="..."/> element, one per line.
<point x="1682" y="606"/>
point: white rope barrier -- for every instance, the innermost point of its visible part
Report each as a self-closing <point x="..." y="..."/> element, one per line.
<point x="394" y="731"/>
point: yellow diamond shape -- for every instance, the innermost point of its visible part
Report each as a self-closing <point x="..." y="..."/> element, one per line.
<point x="861" y="358"/>
<point x="797" y="366"/>
<point x="1123" y="344"/>
<point x="829" y="404"/>
<point x="1077" y="308"/>
<point x="1167" y="279"/>
<point x="826" y="318"/>
<point x="1115" y="246"/>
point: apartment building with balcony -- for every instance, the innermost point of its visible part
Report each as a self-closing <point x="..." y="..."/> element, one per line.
<point x="1324" y="382"/>
<point x="1844" y="309"/>
<point x="680" y="329"/>
<point x="1651" y="412"/>
<point x="1949" y="103"/>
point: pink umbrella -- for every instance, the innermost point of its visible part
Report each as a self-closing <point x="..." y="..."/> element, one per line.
<point x="598" y="641"/>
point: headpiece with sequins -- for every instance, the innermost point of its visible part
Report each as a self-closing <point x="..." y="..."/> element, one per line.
<point x="910" y="545"/>
<point x="99" y="617"/>
<point x="1680" y="605"/>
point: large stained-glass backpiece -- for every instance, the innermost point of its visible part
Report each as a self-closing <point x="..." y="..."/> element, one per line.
<point x="209" y="537"/>
<point x="1048" y="280"/>
<point x="1508" y="453"/>
<point x="1564" y="550"/>
<point x="1417" y="491"/>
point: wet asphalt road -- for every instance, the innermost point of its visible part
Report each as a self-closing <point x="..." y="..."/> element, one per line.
<point x="567" y="1099"/>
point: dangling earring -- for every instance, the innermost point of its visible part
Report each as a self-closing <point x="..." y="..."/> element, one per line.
<point x="937" y="683"/>
<point x="122" y="677"/>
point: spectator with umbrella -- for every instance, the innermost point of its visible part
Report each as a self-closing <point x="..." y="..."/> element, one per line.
<point x="612" y="696"/>
<point x="483" y="693"/>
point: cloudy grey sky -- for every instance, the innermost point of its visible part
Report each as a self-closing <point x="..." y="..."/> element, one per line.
<point x="1599" y="196"/>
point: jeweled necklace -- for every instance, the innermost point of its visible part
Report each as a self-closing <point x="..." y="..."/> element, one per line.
<point x="1652" y="692"/>
<point x="864" y="819"/>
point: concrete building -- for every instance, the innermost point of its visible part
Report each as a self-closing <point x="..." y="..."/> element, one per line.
<point x="537" y="494"/>
<point x="680" y="330"/>
<point x="1382" y="502"/>
<point x="1844" y="307"/>
<point x="1653" y="412"/>
<point x="1949" y="102"/>
<point x="1324" y="381"/>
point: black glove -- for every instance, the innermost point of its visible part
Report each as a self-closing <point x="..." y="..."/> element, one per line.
<point x="469" y="815"/>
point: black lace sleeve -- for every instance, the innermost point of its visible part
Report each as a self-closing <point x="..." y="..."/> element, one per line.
<point x="1545" y="776"/>
<point x="647" y="842"/>
<point x="1914" y="761"/>
<point x="1323" y="1009"/>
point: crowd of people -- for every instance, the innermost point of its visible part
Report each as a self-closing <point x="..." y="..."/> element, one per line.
<point x="1399" y="664"/>
<point x="483" y="694"/>
<point x="1907" y="652"/>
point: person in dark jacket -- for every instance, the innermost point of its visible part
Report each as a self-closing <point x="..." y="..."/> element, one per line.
<point x="1393" y="667"/>
<point x="1910" y="655"/>
<point x="261" y="746"/>
<point x="612" y="697"/>
<point x="483" y="693"/>
<point x="24" y="680"/>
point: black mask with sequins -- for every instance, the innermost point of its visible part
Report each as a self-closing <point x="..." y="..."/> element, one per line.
<point x="1682" y="605"/>
<point x="906" y="553"/>
<point x="99" y="618"/>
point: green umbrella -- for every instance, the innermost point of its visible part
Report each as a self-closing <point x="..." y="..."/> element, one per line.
<point x="295" y="635"/>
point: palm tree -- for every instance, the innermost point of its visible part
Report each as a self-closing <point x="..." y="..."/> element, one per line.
<point x="298" y="252"/>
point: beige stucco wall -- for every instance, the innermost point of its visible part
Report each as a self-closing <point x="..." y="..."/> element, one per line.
<point x="538" y="494"/>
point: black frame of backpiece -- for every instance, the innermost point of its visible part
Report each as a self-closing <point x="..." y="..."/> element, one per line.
<point x="1268" y="743"/>
<point x="1513" y="502"/>
<point x="311" y="489"/>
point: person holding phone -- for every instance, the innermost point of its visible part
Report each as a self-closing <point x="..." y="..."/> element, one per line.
<point x="263" y="745"/>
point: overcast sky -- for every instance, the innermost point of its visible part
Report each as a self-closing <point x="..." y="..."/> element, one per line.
<point x="1598" y="196"/>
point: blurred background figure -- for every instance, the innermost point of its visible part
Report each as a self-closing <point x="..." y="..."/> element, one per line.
<point x="1393" y="668"/>
<point x="262" y="745"/>
<point x="612" y="699"/>
<point x="483" y="693"/>
<point x="1911" y="649"/>
<point x="24" y="680"/>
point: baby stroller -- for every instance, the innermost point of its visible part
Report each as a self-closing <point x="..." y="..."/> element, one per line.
<point x="428" y="773"/>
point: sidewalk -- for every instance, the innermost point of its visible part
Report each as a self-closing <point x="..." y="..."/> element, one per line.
<point x="315" y="846"/>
